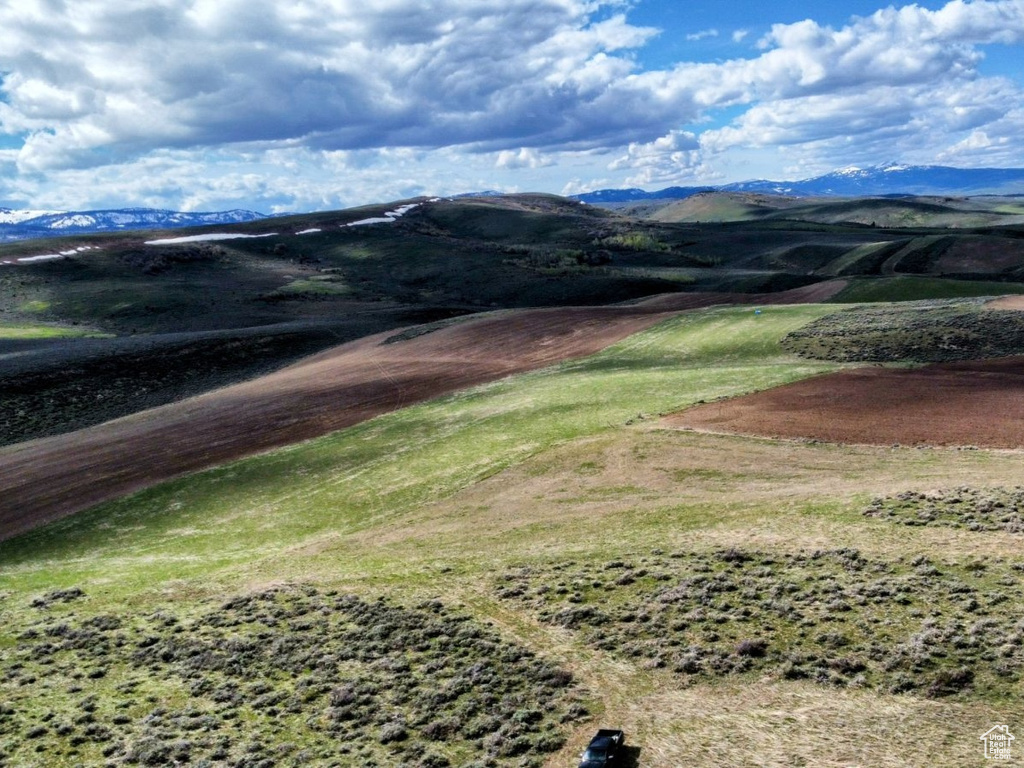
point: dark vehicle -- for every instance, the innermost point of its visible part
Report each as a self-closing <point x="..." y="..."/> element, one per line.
<point x="604" y="749"/>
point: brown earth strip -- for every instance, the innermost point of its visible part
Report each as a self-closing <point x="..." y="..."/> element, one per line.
<point x="973" y="403"/>
<point x="1007" y="302"/>
<point x="44" y="480"/>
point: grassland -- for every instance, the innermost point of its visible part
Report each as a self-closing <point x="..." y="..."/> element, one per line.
<point x="543" y="484"/>
<point x="914" y="288"/>
<point x="483" y="579"/>
<point x="443" y="259"/>
<point x="25" y="331"/>
<point x="932" y="331"/>
<point x="887" y="212"/>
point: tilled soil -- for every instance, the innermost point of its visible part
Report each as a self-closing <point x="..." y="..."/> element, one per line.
<point x="44" y="480"/>
<point x="970" y="403"/>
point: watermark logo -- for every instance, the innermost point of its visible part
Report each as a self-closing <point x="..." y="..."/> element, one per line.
<point x="998" y="740"/>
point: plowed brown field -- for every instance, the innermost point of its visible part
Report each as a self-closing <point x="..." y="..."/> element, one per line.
<point x="46" y="479"/>
<point x="975" y="403"/>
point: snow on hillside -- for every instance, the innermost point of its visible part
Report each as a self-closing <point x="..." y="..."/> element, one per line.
<point x="35" y="224"/>
<point x="206" y="238"/>
<point x="48" y="256"/>
<point x="387" y="218"/>
<point x="79" y="220"/>
<point x="27" y="224"/>
<point x="9" y="216"/>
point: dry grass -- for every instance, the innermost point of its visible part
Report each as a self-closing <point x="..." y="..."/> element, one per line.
<point x="765" y="723"/>
<point x="673" y="489"/>
<point x="800" y="724"/>
<point x="394" y="522"/>
<point x="645" y="487"/>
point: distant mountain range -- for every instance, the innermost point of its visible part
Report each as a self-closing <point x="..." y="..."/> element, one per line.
<point x="23" y="225"/>
<point x="891" y="179"/>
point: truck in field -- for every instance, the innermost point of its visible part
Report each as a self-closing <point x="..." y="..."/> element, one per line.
<point x="604" y="749"/>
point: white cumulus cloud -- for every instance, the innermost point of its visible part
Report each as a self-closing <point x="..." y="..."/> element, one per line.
<point x="524" y="158"/>
<point x="92" y="81"/>
<point x="313" y="103"/>
<point x="673" y="158"/>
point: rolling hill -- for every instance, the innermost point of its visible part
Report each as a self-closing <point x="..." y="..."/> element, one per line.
<point x="889" y="212"/>
<point x="443" y="483"/>
<point x="193" y="313"/>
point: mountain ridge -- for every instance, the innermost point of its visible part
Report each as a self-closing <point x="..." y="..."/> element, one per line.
<point x="888" y="179"/>
<point x="27" y="224"/>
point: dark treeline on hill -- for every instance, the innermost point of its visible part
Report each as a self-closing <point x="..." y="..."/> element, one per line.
<point x="203" y="314"/>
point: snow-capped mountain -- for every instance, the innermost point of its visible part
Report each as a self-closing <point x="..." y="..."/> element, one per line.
<point x="22" y="224"/>
<point x="890" y="179"/>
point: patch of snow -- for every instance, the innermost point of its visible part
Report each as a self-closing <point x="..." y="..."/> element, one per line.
<point x="205" y="238"/>
<point x="308" y="231"/>
<point x="122" y="218"/>
<point x="51" y="256"/>
<point x="77" y="220"/>
<point x="8" y="216"/>
<point x="388" y="218"/>
<point x="402" y="209"/>
<point x="434" y="200"/>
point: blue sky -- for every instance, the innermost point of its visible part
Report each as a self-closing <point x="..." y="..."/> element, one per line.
<point x="704" y="31"/>
<point x="317" y="104"/>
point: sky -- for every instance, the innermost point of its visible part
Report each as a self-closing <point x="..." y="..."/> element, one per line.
<point x="324" y="104"/>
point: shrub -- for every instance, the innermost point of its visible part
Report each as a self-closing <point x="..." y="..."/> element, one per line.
<point x="755" y="648"/>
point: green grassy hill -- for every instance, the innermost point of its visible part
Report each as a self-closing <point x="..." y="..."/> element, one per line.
<point x="187" y="317"/>
<point x="486" y="578"/>
<point x="888" y="212"/>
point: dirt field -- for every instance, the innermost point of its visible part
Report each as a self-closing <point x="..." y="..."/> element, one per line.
<point x="50" y="478"/>
<point x="975" y="403"/>
<point x="1007" y="302"/>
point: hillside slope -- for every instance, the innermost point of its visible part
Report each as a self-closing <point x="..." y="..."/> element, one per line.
<point x="187" y="313"/>
<point x="47" y="479"/>
<point x="487" y="577"/>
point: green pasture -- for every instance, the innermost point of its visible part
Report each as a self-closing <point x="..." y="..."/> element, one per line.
<point x="374" y="473"/>
<point x="30" y="331"/>
<point x="912" y="288"/>
<point x="546" y="511"/>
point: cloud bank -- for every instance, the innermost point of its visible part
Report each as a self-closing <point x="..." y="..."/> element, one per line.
<point x="316" y="103"/>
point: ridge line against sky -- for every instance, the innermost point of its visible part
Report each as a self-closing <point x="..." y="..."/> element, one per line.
<point x="320" y="104"/>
